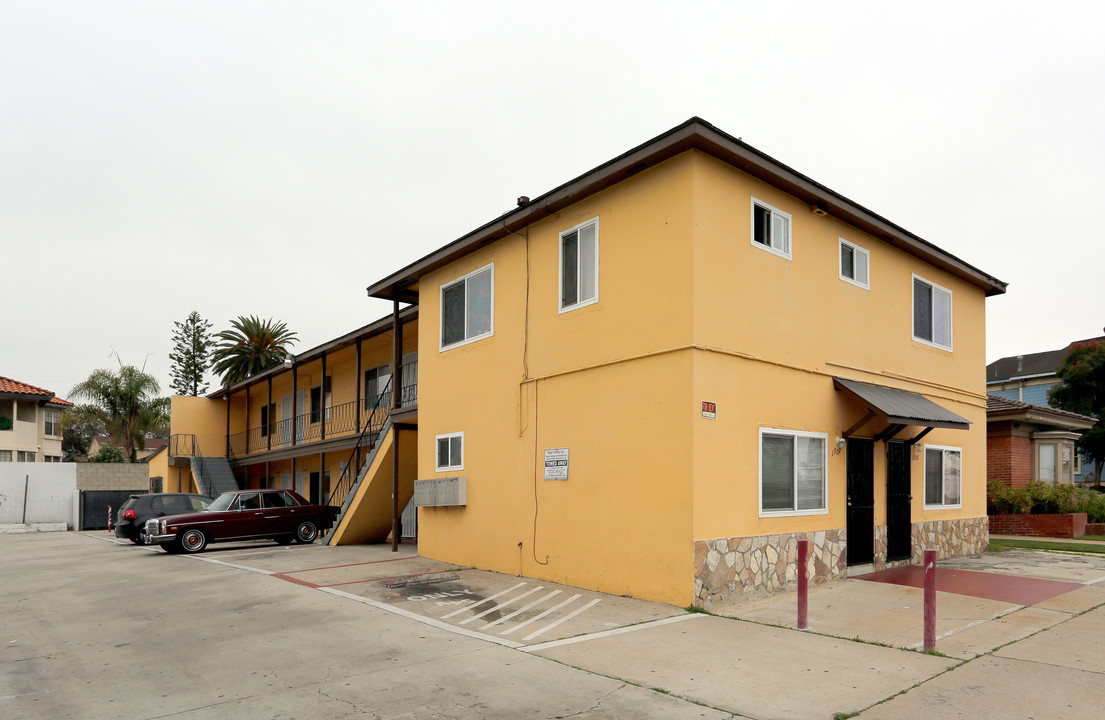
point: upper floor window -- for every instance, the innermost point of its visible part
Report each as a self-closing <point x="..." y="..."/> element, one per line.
<point x="466" y="308"/>
<point x="450" y="452"/>
<point x="932" y="313"/>
<point x="579" y="265"/>
<point x="52" y="419"/>
<point x="943" y="471"/>
<point x="792" y="472"/>
<point x="854" y="264"/>
<point x="770" y="228"/>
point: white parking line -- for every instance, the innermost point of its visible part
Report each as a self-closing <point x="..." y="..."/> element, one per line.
<point x="503" y="604"/>
<point x="481" y="602"/>
<point x="1094" y="582"/>
<point x="231" y="565"/>
<point x="608" y="633"/>
<point x="564" y="619"/>
<point x="521" y="610"/>
<point x="535" y="618"/>
<point x="421" y="618"/>
<point x="1001" y="613"/>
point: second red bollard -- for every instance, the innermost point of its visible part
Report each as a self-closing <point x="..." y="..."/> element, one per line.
<point x="803" y="583"/>
<point x="930" y="599"/>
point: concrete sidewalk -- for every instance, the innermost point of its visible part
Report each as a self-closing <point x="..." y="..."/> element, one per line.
<point x="860" y="654"/>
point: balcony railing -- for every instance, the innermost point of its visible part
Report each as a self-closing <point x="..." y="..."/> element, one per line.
<point x="340" y="421"/>
<point x="184" y="446"/>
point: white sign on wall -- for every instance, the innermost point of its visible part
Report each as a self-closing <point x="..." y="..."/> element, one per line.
<point x="556" y="464"/>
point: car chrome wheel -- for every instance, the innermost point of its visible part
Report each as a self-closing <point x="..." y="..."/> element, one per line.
<point x="306" y="532"/>
<point x="193" y="541"/>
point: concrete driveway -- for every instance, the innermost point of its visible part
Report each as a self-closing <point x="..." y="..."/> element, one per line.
<point x="97" y="629"/>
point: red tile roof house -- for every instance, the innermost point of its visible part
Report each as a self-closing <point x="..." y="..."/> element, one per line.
<point x="29" y="418"/>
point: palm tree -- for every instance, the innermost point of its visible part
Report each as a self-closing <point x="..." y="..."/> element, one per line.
<point x="252" y="346"/>
<point x="125" y="404"/>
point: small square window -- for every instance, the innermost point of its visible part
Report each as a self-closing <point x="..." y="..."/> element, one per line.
<point x="932" y="313"/>
<point x="770" y="228"/>
<point x="579" y="265"/>
<point x="467" y="308"/>
<point x="450" y="452"/>
<point x="943" y="476"/>
<point x="854" y="264"/>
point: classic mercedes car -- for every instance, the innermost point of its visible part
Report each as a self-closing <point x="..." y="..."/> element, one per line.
<point x="282" y="515"/>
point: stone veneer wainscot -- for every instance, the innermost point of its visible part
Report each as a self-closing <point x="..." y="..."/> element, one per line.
<point x="742" y="568"/>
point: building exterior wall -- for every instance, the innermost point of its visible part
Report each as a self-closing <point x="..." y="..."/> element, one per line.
<point x="38" y="493"/>
<point x="590" y="380"/>
<point x="28" y="435"/>
<point x="1009" y="459"/>
<point x="689" y="310"/>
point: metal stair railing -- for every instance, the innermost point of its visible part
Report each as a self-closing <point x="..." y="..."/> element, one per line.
<point x="377" y="418"/>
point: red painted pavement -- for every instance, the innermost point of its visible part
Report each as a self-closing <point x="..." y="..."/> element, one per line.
<point x="991" y="586"/>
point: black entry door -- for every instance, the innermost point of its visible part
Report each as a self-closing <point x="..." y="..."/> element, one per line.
<point x="898" y="520"/>
<point x="861" y="501"/>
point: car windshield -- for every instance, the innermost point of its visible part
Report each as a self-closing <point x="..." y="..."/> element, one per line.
<point x="222" y="502"/>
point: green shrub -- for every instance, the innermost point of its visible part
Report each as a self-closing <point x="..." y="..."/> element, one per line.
<point x="1042" y="498"/>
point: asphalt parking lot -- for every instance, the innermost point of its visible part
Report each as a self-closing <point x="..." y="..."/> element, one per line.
<point x="97" y="629"/>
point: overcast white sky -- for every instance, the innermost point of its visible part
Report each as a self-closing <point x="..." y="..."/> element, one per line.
<point x="274" y="158"/>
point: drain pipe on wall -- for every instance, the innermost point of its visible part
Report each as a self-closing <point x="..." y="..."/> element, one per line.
<point x="26" y="486"/>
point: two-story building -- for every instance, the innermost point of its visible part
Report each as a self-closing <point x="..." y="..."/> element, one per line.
<point x="652" y="381"/>
<point x="29" y="423"/>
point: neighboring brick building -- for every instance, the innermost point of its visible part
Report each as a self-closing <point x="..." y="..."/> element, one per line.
<point x="1026" y="442"/>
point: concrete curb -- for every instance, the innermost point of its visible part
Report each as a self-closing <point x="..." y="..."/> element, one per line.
<point x="33" y="527"/>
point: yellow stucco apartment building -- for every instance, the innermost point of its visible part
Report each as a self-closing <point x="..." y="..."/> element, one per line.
<point x="652" y="381"/>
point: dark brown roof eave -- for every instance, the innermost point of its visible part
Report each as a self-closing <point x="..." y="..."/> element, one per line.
<point x="693" y="134"/>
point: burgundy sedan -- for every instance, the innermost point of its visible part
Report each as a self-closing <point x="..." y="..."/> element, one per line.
<point x="282" y="515"/>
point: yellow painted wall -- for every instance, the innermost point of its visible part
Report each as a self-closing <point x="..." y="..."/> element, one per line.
<point x="689" y="310"/>
<point x="203" y="417"/>
<point x="788" y="327"/>
<point x="622" y="522"/>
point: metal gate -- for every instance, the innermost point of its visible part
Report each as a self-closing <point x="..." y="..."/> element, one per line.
<point x="94" y="504"/>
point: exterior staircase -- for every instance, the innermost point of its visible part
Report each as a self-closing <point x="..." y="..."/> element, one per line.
<point x="213" y="475"/>
<point x="373" y="443"/>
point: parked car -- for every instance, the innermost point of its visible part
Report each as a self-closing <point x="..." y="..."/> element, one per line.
<point x="130" y="520"/>
<point x="282" y="515"/>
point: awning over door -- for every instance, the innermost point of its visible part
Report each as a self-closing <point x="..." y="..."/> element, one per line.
<point x="897" y="410"/>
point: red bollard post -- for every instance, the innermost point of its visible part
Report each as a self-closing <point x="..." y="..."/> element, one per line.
<point x="109" y="518"/>
<point x="803" y="583"/>
<point x="930" y="599"/>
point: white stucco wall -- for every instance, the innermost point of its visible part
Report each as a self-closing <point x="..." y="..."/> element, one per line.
<point x="51" y="493"/>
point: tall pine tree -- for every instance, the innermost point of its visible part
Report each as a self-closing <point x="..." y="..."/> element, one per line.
<point x="191" y="355"/>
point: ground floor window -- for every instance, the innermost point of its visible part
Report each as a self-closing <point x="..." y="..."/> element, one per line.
<point x="25" y="456"/>
<point x="52" y="458"/>
<point x="943" y="476"/>
<point x="5" y="455"/>
<point x="792" y="472"/>
<point x="450" y="452"/>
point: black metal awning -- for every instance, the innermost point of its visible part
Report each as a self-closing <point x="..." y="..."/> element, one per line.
<point x="897" y="409"/>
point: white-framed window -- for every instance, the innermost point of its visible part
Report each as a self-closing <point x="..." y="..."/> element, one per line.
<point x="792" y="472"/>
<point x="932" y="313"/>
<point x="1047" y="462"/>
<point x="5" y="455"/>
<point x="943" y="476"/>
<point x="467" y="308"/>
<point x="770" y="228"/>
<point x="450" y="452"/>
<point x="22" y="456"/>
<point x="52" y="458"/>
<point x="855" y="264"/>
<point x="579" y="265"/>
